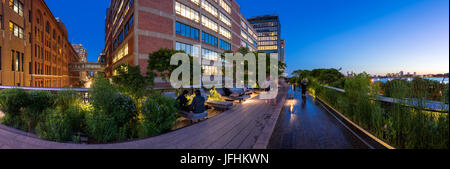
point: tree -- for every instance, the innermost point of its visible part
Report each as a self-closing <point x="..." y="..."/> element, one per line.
<point x="131" y="81"/>
<point x="159" y="64"/>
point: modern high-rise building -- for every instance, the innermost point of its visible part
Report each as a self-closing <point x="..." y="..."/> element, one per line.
<point x="81" y="51"/>
<point x="203" y="28"/>
<point x="268" y="30"/>
<point x="34" y="46"/>
<point x="82" y="54"/>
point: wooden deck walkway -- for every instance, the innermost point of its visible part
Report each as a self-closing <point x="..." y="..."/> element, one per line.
<point x="238" y="128"/>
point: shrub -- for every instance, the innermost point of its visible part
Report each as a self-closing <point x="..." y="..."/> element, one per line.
<point x="55" y="126"/>
<point x="101" y="127"/>
<point x="158" y="116"/>
<point x="131" y="81"/>
<point x="77" y="117"/>
<point x="102" y="93"/>
<point x="66" y="98"/>
<point x="12" y="101"/>
<point x="125" y="109"/>
<point x="38" y="102"/>
<point x="214" y="95"/>
<point x="446" y="96"/>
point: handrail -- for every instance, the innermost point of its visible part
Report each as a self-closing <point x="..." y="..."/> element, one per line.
<point x="45" y="89"/>
<point x="434" y="106"/>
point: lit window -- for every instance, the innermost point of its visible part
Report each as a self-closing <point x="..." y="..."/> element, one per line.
<point x="196" y="2"/>
<point x="16" y="30"/>
<point x="225" y="6"/>
<point x="244" y="35"/>
<point x="224" y="32"/>
<point x="121" y="53"/>
<point x="225" y="19"/>
<point x="187" y="12"/>
<point x="209" y="8"/>
<point x="209" y="23"/>
<point x="17" y="6"/>
<point x="189" y="49"/>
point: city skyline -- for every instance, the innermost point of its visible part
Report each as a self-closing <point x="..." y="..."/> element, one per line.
<point x="355" y="36"/>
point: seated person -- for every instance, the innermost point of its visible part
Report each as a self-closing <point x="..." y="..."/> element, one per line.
<point x="183" y="101"/>
<point x="229" y="93"/>
<point x="198" y="104"/>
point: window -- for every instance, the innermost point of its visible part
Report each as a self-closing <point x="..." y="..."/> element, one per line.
<point x="209" y="39"/>
<point x="209" y="8"/>
<point x="243" y="24"/>
<point x="187" y="12"/>
<point x="209" y="54"/>
<point x="196" y="2"/>
<point x="225" y="45"/>
<point x="1" y="21"/>
<point x="224" y="32"/>
<point x="225" y="6"/>
<point x="121" y="53"/>
<point x="186" y="30"/>
<point x="16" y="30"/>
<point x="225" y="19"/>
<point x="0" y="58"/>
<point x="244" y="35"/>
<point x="189" y="49"/>
<point x="209" y="23"/>
<point x="129" y="25"/>
<point x="17" y="6"/>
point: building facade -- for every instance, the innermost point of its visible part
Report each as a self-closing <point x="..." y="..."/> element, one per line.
<point x="268" y="30"/>
<point x="34" y="46"/>
<point x="82" y="54"/>
<point x="203" y="28"/>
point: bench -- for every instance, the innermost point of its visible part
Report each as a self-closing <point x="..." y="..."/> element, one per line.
<point x="196" y="117"/>
<point x="220" y="105"/>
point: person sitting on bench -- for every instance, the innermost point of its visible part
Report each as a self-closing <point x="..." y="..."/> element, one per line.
<point x="182" y="99"/>
<point x="198" y="104"/>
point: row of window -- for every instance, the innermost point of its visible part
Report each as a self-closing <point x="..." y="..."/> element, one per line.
<point x="186" y="30"/>
<point x="187" y="12"/>
<point x="224" y="32"/>
<point x="124" y="33"/>
<point x="121" y="53"/>
<point x="209" y="39"/>
<point x="189" y="49"/>
<point x="267" y="47"/>
<point x="209" y="23"/>
<point x="225" y="45"/>
<point x="210" y="8"/>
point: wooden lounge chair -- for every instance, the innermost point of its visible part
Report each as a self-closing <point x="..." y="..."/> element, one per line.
<point x="240" y="97"/>
<point x="220" y="105"/>
<point x="196" y="117"/>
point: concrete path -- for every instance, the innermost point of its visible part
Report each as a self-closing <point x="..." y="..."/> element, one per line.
<point x="239" y="128"/>
<point x="305" y="124"/>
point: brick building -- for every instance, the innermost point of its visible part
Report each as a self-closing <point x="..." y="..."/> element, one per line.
<point x="34" y="46"/>
<point x="203" y="28"/>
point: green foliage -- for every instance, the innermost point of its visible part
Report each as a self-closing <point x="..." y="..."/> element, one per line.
<point x="124" y="111"/>
<point x="38" y="102"/>
<point x="12" y="101"/>
<point x="131" y="81"/>
<point x="102" y="93"/>
<point x="159" y="64"/>
<point x="101" y="127"/>
<point x="446" y="96"/>
<point x="66" y="98"/>
<point x="215" y="95"/>
<point x="56" y="126"/>
<point x="399" y="125"/>
<point x="158" y="116"/>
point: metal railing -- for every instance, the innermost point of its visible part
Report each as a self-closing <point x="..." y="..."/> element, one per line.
<point x="428" y="105"/>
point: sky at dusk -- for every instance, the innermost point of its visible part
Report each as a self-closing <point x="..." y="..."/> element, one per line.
<point x="375" y="36"/>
